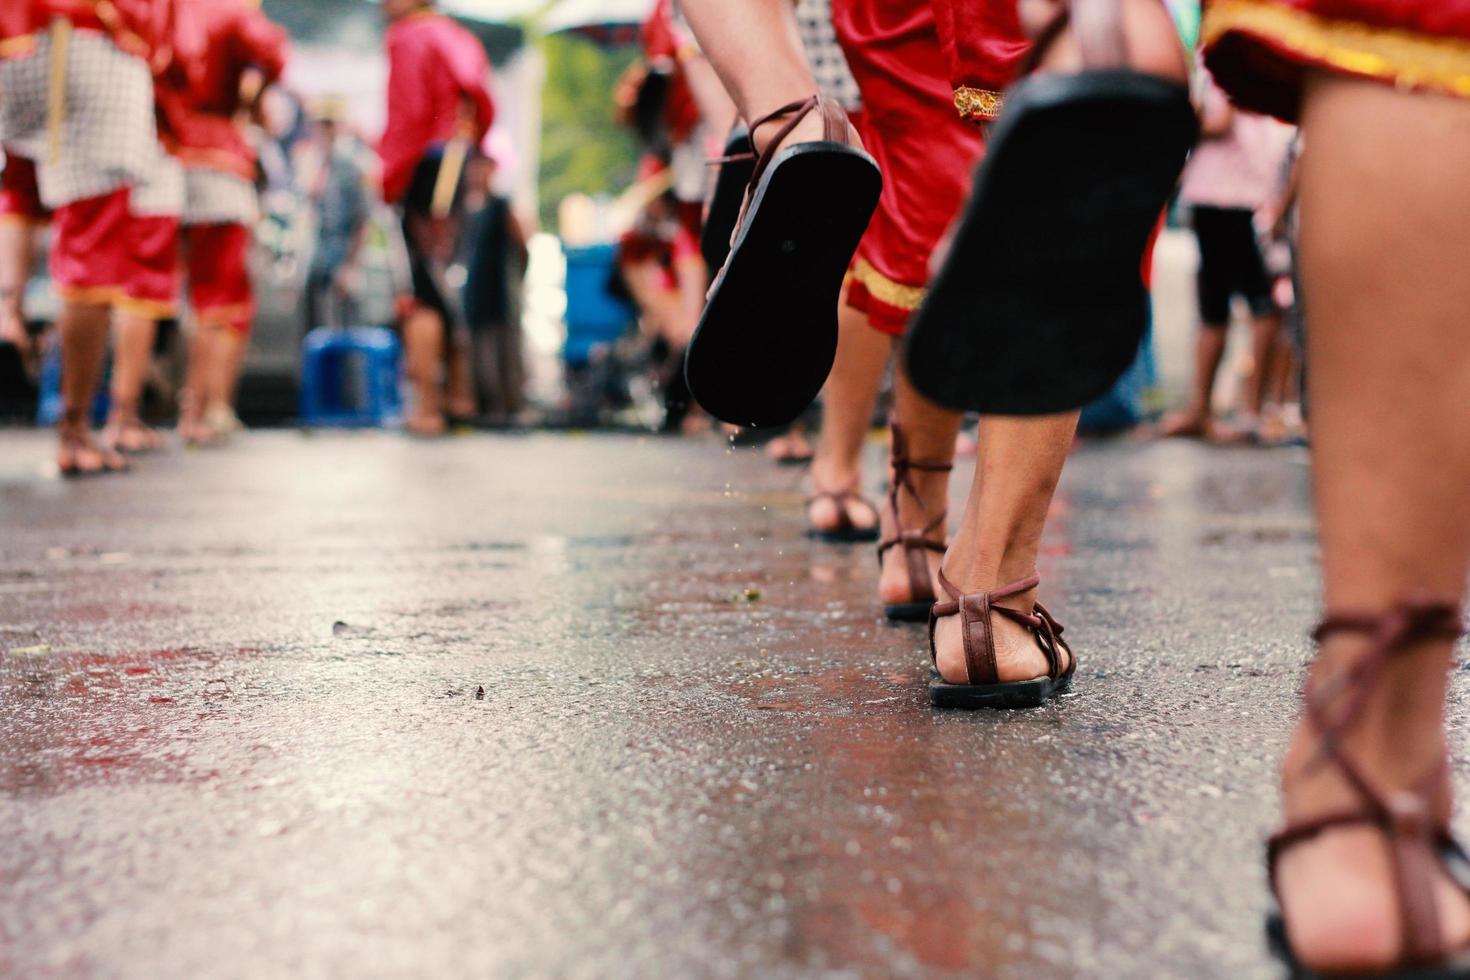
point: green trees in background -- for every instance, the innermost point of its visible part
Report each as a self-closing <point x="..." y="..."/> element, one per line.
<point x="582" y="148"/>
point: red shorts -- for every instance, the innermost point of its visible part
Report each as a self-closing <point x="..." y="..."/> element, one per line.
<point x="20" y="198"/>
<point x="219" y="278"/>
<point x="1260" y="51"/>
<point x="103" y="253"/>
<point x="924" y="149"/>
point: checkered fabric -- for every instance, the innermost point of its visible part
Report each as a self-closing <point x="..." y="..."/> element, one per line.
<point x="108" y="135"/>
<point x="160" y="194"/>
<point x="828" y="65"/>
<point x="212" y="197"/>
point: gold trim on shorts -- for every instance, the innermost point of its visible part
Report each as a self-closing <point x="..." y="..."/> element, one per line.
<point x="1405" y="58"/>
<point x="223" y="316"/>
<point x="30" y="221"/>
<point x="978" y="103"/>
<point x="90" y="294"/>
<point x="154" y="309"/>
<point x="885" y="290"/>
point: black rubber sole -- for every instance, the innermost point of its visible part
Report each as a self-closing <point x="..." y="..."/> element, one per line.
<point x="908" y="612"/>
<point x="768" y="335"/>
<point x="1456" y="968"/>
<point x="1040" y="304"/>
<point x="1004" y="697"/>
<point x="724" y="202"/>
<point x="846" y="535"/>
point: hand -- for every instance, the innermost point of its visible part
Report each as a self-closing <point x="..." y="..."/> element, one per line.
<point x="345" y="279"/>
<point x="13" y="328"/>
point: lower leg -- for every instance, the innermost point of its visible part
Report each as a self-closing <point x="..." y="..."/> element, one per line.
<point x="1017" y="468"/>
<point x="131" y="356"/>
<point x="228" y="360"/>
<point x="1194" y="418"/>
<point x="423" y="342"/>
<point x="756" y="50"/>
<point x="1265" y="338"/>
<point x="929" y="435"/>
<point x="83" y="330"/>
<point x="460" y="377"/>
<point x="847" y="415"/>
<point x="1382" y="247"/>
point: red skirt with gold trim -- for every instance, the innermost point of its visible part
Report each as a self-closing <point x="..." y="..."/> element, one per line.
<point x="1261" y="50"/>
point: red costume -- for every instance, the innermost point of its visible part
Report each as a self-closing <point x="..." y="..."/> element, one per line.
<point x="1260" y="50"/>
<point x="101" y="251"/>
<point x="983" y="47"/>
<point x="20" y="198"/>
<point x="434" y="68"/>
<point x="220" y="42"/>
<point x="923" y="147"/>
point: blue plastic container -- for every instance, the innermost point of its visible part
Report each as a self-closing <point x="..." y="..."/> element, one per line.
<point x="349" y="378"/>
<point x="595" y="317"/>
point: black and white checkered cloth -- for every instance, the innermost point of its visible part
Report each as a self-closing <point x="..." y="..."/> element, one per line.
<point x="828" y="65"/>
<point x="212" y="197"/>
<point x="160" y="194"/>
<point x="109" y="138"/>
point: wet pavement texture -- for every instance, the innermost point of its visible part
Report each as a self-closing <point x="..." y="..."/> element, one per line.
<point x="559" y="705"/>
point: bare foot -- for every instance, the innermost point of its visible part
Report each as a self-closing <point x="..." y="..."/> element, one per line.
<point x="77" y="454"/>
<point x="130" y="435"/>
<point x="427" y="426"/>
<point x="792" y="449"/>
<point x="1188" y="423"/>
<point x="1018" y="656"/>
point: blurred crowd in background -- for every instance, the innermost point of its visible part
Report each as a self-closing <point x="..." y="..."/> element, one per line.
<point x="503" y="322"/>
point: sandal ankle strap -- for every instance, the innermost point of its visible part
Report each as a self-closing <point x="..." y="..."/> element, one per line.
<point x="916" y="543"/>
<point x="834" y="128"/>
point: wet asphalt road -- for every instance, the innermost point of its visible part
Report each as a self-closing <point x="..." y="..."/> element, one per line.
<point x="551" y="705"/>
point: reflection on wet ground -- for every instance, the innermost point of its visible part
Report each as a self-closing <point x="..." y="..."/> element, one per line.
<point x="593" y="706"/>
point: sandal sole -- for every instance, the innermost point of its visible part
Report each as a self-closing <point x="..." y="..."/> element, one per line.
<point x="1076" y="175"/>
<point x="848" y="536"/>
<point x="908" y="612"/>
<point x="724" y="203"/>
<point x="768" y="335"/>
<point x="1001" y="697"/>
<point x="1456" y="968"/>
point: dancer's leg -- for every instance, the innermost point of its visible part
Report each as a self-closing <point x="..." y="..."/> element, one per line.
<point x="1016" y="472"/>
<point x="423" y="344"/>
<point x="929" y="432"/>
<point x="1383" y="243"/>
<point x="132" y="354"/>
<point x="83" y="329"/>
<point x="756" y="50"/>
<point x="847" y="416"/>
<point x="1194" y="418"/>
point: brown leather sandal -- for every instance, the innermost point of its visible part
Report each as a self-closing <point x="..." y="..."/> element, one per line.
<point x="983" y="687"/>
<point x="916" y="544"/>
<point x="768" y="333"/>
<point x="1419" y="841"/>
<point x="846" y="531"/>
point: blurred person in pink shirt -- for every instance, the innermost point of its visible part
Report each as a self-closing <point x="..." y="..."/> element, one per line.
<point x="1234" y="172"/>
